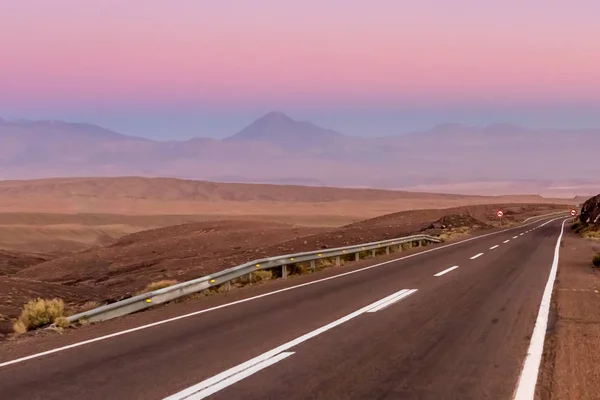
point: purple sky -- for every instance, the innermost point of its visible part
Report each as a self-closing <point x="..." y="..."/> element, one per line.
<point x="207" y="68"/>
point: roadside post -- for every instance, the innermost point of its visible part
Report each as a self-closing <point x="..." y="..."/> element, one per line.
<point x="574" y="214"/>
<point x="500" y="214"/>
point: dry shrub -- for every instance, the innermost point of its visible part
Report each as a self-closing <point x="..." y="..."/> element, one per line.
<point x="39" y="312"/>
<point x="591" y="234"/>
<point x="157" y="285"/>
<point x="456" y="233"/>
<point x="596" y="260"/>
<point x="263" y="275"/>
<point x="89" y="305"/>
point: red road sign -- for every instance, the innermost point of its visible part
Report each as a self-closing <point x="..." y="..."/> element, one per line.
<point x="573" y="212"/>
<point x="500" y="213"/>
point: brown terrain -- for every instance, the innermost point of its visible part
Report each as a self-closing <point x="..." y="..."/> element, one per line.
<point x="95" y="257"/>
<point x="70" y="214"/>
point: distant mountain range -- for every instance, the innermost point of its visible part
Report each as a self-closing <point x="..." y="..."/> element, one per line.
<point x="279" y="149"/>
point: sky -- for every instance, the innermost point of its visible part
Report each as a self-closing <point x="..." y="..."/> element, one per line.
<point x="173" y="70"/>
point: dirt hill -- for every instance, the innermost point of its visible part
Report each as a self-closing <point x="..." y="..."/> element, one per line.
<point x="590" y="212"/>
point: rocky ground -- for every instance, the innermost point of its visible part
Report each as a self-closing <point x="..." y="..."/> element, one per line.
<point x="188" y="251"/>
<point x="571" y="364"/>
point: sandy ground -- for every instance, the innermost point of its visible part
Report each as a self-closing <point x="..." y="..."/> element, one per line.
<point x="60" y="216"/>
<point x="103" y="238"/>
<point x="571" y="365"/>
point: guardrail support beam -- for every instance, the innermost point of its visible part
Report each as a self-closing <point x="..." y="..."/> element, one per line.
<point x="284" y="271"/>
<point x="338" y="261"/>
<point x="387" y="250"/>
<point x="356" y="256"/>
<point x="313" y="265"/>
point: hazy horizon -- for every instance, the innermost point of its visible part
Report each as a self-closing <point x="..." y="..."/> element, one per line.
<point x="363" y="69"/>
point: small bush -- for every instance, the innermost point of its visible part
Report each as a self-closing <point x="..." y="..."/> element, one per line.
<point x="62" y="322"/>
<point x="596" y="260"/>
<point x="39" y="312"/>
<point x="263" y="275"/>
<point x="157" y="285"/>
<point x="19" y="327"/>
<point x="89" y="305"/>
<point x="297" y="269"/>
<point x="591" y="234"/>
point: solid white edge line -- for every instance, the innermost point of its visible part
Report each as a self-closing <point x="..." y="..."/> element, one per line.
<point x="444" y="272"/>
<point x="529" y="375"/>
<point x="204" y="393"/>
<point x="186" y="393"/>
<point x="476" y="256"/>
<point x="192" y="314"/>
<point x="392" y="301"/>
<point x="494" y="247"/>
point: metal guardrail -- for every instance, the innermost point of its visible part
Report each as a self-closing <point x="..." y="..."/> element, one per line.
<point x="545" y="215"/>
<point x="147" y="300"/>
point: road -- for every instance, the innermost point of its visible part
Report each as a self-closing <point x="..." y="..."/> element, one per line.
<point x="452" y="322"/>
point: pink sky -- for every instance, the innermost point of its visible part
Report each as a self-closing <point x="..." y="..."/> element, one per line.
<point x="327" y="50"/>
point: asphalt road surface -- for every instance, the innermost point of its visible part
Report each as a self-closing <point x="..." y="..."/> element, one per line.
<point x="452" y="322"/>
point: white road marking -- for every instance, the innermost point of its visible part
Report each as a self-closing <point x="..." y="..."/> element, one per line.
<point x="212" y="389"/>
<point x="194" y="392"/>
<point x="521" y="234"/>
<point x="392" y="301"/>
<point x="193" y="314"/>
<point x="527" y="382"/>
<point x="515" y="237"/>
<point x="476" y="256"/>
<point x="444" y="272"/>
<point x="494" y="247"/>
<point x="506" y="241"/>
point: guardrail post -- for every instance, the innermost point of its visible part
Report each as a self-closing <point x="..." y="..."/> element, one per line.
<point x="313" y="265"/>
<point x="357" y="256"/>
<point x="284" y="272"/>
<point x="373" y="253"/>
<point x="387" y="250"/>
<point x="338" y="261"/>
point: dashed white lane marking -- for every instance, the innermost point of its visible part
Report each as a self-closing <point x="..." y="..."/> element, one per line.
<point x="529" y="375"/>
<point x="521" y="234"/>
<point x="392" y="301"/>
<point x="515" y="237"/>
<point x="476" y="256"/>
<point x="226" y="378"/>
<point x="494" y="247"/>
<point x="506" y="241"/>
<point x="444" y="272"/>
<point x="212" y="389"/>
